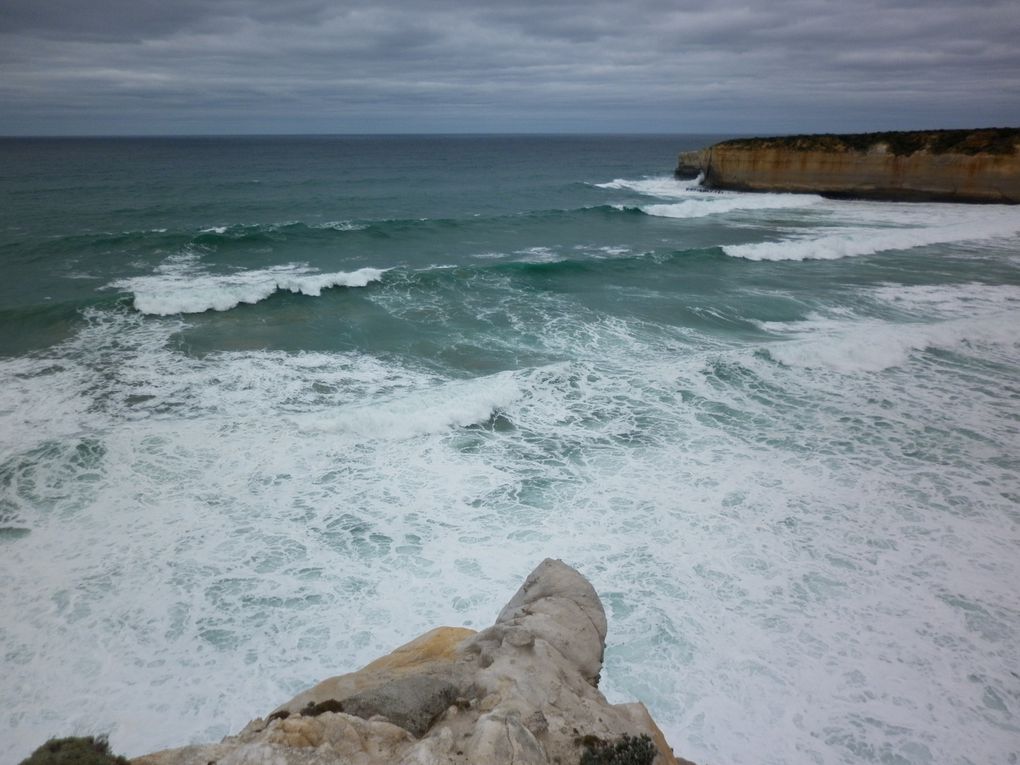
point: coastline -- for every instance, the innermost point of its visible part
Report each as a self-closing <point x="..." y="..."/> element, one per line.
<point x="972" y="166"/>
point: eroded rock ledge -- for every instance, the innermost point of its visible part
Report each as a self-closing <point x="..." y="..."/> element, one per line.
<point x="524" y="691"/>
<point x="934" y="165"/>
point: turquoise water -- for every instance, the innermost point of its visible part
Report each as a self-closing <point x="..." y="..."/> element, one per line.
<point x="271" y="406"/>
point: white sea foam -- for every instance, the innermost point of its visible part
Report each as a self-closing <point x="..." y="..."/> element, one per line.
<point x="873" y="346"/>
<point x="662" y="186"/>
<point x="969" y="319"/>
<point x="538" y="255"/>
<point x="692" y="201"/>
<point x="341" y="225"/>
<point x="450" y="405"/>
<point x="608" y="251"/>
<point x="800" y="562"/>
<point x="957" y="300"/>
<point x="236" y="550"/>
<point x="240" y="229"/>
<point x="720" y="204"/>
<point x="953" y="224"/>
<point x="180" y="286"/>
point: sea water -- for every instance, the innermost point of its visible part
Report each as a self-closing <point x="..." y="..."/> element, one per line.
<point x="270" y="407"/>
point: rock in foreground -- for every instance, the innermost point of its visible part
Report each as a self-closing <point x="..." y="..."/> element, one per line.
<point x="934" y="165"/>
<point x="522" y="691"/>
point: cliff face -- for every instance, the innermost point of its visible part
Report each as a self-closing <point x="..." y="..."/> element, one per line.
<point x="897" y="166"/>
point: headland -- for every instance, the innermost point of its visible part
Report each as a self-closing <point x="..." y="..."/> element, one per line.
<point x="521" y="692"/>
<point x="981" y="165"/>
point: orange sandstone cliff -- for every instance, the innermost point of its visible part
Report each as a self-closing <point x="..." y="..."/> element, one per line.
<point x="936" y="165"/>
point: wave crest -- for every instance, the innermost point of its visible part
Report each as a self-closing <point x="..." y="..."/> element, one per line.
<point x="175" y="290"/>
<point x="719" y="204"/>
<point x="687" y="199"/>
<point x="855" y="241"/>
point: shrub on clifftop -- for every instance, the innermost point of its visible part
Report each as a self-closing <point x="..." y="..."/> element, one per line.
<point x="628" y="750"/>
<point x="78" y="750"/>
<point x="901" y="143"/>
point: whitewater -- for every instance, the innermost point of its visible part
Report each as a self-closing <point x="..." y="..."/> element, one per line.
<point x="254" y="435"/>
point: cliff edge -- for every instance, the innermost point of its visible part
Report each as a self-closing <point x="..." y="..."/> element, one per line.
<point x="934" y="165"/>
<point x="521" y="692"/>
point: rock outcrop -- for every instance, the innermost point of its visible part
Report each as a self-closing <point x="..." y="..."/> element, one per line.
<point x="522" y="692"/>
<point x="938" y="165"/>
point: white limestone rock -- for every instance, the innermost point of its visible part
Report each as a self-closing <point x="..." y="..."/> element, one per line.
<point x="522" y="692"/>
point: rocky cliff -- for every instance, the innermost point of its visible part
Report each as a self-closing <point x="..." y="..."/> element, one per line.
<point x="522" y="692"/>
<point x="939" y="165"/>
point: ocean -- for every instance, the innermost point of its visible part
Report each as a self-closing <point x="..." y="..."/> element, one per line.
<point x="272" y="406"/>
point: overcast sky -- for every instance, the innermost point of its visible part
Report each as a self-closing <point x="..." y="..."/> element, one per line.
<point x="675" y="66"/>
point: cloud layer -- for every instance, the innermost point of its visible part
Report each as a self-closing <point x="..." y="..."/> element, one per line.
<point x="229" y="66"/>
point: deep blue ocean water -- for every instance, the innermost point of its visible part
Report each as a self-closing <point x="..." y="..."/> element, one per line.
<point x="270" y="407"/>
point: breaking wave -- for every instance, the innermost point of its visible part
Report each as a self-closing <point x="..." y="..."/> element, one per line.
<point x="181" y="288"/>
<point x="449" y="405"/>
<point x="689" y="200"/>
<point x="987" y="223"/>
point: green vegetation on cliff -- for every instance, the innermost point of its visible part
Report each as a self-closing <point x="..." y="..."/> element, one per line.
<point x="900" y="143"/>
<point x="628" y="750"/>
<point x="77" y="750"/>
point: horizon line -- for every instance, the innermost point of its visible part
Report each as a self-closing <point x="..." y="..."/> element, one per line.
<point x="437" y="134"/>
<point x="466" y="134"/>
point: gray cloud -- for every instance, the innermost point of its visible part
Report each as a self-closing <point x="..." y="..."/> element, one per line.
<point x="139" y="66"/>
